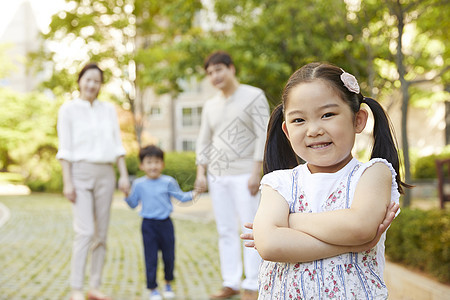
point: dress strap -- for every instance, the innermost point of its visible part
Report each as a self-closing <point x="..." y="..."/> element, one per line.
<point x="294" y="189"/>
<point x="347" y="195"/>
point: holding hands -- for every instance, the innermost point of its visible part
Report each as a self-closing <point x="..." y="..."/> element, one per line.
<point x="124" y="185"/>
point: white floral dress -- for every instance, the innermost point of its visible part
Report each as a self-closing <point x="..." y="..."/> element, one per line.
<point x="346" y="276"/>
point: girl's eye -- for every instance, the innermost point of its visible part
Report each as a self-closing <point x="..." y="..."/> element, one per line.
<point x="328" y="115"/>
<point x="298" y="120"/>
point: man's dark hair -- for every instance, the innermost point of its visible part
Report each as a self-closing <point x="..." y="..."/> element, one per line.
<point x="218" y="57"/>
<point x="151" y="151"/>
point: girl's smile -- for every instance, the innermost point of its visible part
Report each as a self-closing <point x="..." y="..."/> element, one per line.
<point x="321" y="126"/>
<point x="319" y="145"/>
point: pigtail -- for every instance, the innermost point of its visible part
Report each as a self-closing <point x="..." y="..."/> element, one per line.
<point x="278" y="153"/>
<point x="385" y="145"/>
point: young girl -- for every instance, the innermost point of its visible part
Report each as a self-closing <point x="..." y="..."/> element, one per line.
<point x="316" y="226"/>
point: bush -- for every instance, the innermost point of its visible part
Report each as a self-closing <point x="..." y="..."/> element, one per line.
<point x="179" y="165"/>
<point x="54" y="184"/>
<point x="9" y="177"/>
<point x="132" y="162"/>
<point x="421" y="239"/>
<point x="425" y="167"/>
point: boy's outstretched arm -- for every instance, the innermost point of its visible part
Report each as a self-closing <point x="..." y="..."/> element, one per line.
<point x="176" y="192"/>
<point x="358" y="224"/>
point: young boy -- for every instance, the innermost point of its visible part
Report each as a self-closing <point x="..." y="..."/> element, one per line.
<point x="154" y="191"/>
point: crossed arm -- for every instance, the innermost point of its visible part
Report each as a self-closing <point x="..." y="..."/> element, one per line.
<point x="280" y="236"/>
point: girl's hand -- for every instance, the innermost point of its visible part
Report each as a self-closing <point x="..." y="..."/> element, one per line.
<point x="69" y="192"/>
<point x="388" y="218"/>
<point x="248" y="237"/>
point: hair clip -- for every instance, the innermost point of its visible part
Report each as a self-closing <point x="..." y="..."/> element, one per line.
<point x="350" y="82"/>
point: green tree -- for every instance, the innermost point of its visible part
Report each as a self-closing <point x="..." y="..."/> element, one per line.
<point x="273" y="38"/>
<point x="113" y="33"/>
<point x="157" y="44"/>
<point x="425" y="60"/>
<point x="27" y="134"/>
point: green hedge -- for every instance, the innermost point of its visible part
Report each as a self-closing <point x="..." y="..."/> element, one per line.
<point x="52" y="185"/>
<point x="421" y="239"/>
<point x="47" y="177"/>
<point x="425" y="167"/>
<point x="9" y="177"/>
<point x="179" y="165"/>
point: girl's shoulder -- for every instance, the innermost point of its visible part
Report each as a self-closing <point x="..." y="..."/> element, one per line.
<point x="281" y="180"/>
<point x="364" y="166"/>
<point x="395" y="195"/>
<point x="277" y="176"/>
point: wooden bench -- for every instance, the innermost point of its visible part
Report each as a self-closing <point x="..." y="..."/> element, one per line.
<point x="443" y="173"/>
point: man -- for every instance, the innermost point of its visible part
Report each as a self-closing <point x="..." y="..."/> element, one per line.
<point x="230" y="149"/>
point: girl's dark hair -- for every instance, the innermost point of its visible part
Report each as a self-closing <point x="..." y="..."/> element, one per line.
<point x="90" y="66"/>
<point x="151" y="151"/>
<point x="218" y="57"/>
<point x="278" y="152"/>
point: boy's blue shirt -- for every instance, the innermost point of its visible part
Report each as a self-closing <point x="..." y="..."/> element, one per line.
<point x="155" y="196"/>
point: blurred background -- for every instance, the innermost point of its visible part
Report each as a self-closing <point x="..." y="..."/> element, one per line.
<point x="152" y="53"/>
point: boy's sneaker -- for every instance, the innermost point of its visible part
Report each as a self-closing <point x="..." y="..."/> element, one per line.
<point x="155" y="295"/>
<point x="168" y="292"/>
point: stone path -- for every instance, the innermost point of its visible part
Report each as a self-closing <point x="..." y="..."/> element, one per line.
<point x="36" y="244"/>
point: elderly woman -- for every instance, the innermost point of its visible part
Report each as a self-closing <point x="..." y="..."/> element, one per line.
<point x="89" y="145"/>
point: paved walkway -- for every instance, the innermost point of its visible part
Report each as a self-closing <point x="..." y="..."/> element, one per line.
<point x="36" y="241"/>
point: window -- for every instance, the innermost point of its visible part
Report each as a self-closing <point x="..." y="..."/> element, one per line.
<point x="155" y="111"/>
<point x="188" y="145"/>
<point x="191" y="116"/>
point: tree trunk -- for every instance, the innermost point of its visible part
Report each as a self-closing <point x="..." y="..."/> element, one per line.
<point x="405" y="144"/>
<point x="405" y="100"/>
<point x="138" y="115"/>
<point x="447" y="117"/>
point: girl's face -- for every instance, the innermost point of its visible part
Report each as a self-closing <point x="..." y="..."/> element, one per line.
<point x="321" y="126"/>
<point x="90" y="84"/>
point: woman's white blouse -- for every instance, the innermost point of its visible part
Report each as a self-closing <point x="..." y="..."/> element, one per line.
<point x="88" y="132"/>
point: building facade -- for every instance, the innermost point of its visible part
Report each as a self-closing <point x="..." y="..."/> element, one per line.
<point x="173" y="123"/>
<point x="20" y="38"/>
